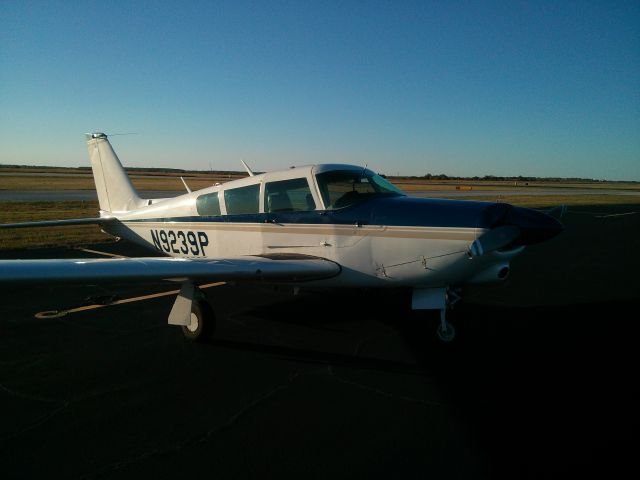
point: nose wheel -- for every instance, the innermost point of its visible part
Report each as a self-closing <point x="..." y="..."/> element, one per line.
<point x="441" y="299"/>
<point x="445" y="331"/>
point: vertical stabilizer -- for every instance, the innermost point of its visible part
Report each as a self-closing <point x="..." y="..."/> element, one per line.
<point x="116" y="194"/>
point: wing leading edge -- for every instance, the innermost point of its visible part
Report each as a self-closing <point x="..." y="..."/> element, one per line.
<point x="245" y="268"/>
<point x="58" y="223"/>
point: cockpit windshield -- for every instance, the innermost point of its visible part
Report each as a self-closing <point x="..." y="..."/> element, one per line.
<point x="341" y="188"/>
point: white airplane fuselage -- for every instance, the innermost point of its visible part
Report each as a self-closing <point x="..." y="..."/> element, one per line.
<point x="427" y="250"/>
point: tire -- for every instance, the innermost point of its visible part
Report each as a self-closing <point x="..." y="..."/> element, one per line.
<point x="447" y="335"/>
<point x="203" y="322"/>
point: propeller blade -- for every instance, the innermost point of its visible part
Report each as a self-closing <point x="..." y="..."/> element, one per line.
<point x="494" y="239"/>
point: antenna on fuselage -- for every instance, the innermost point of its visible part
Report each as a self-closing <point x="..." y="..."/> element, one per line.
<point x="185" y="185"/>
<point x="364" y="169"/>
<point x="251" y="174"/>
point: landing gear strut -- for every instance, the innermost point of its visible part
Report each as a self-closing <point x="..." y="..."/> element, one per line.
<point x="437" y="299"/>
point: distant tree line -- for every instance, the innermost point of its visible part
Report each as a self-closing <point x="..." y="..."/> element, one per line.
<point x="519" y="178"/>
<point x="428" y="176"/>
<point x="128" y="169"/>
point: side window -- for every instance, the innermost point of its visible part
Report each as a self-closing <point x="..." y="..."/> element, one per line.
<point x="242" y="200"/>
<point x="288" y="196"/>
<point x="208" y="204"/>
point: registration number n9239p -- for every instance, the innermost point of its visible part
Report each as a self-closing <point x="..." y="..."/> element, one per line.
<point x="180" y="241"/>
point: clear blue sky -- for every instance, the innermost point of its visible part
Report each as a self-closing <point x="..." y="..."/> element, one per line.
<point x="461" y="88"/>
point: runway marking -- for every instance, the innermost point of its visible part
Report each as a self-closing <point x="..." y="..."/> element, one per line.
<point x="600" y="215"/>
<point x="98" y="252"/>
<point x="63" y="313"/>
<point x="616" y="215"/>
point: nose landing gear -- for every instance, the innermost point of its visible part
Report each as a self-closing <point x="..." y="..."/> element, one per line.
<point x="445" y="331"/>
<point x="437" y="299"/>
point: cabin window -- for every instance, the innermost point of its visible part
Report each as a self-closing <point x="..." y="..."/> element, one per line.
<point x="242" y="200"/>
<point x="288" y="196"/>
<point x="208" y="204"/>
<point x="341" y="188"/>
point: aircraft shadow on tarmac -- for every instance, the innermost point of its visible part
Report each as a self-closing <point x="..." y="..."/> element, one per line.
<point x="551" y="379"/>
<point x="490" y="329"/>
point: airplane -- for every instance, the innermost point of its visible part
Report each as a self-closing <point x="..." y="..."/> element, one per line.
<point x="316" y="226"/>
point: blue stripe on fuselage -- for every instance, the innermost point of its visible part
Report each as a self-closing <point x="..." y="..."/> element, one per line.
<point x="390" y="211"/>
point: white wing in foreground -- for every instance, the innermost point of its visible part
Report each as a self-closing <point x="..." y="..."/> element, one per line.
<point x="59" y="223"/>
<point x="245" y="268"/>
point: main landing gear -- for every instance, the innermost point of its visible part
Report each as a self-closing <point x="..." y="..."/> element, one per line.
<point x="193" y="313"/>
<point x="437" y="299"/>
<point x="202" y="322"/>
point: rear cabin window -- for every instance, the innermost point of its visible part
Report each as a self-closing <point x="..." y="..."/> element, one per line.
<point x="288" y="196"/>
<point x="208" y="204"/>
<point x="242" y="200"/>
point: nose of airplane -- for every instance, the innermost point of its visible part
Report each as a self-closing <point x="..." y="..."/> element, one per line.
<point x="534" y="226"/>
<point x="508" y="227"/>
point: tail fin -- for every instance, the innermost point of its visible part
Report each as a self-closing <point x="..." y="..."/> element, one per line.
<point x="116" y="194"/>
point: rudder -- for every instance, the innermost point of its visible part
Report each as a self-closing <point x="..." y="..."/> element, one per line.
<point x="116" y="193"/>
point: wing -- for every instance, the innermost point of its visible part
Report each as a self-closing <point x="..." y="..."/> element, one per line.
<point x="58" y="223"/>
<point x="294" y="268"/>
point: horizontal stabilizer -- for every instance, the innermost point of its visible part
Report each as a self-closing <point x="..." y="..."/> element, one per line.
<point x="58" y="223"/>
<point x="247" y="268"/>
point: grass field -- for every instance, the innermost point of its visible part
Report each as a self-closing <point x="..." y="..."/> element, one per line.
<point x="13" y="212"/>
<point x="46" y="179"/>
<point x="43" y="178"/>
<point x="143" y="182"/>
<point x="409" y="184"/>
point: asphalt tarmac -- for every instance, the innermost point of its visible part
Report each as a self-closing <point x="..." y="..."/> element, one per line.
<point x="540" y="382"/>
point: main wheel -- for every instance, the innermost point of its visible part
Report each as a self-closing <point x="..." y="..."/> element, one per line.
<point x="203" y="322"/>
